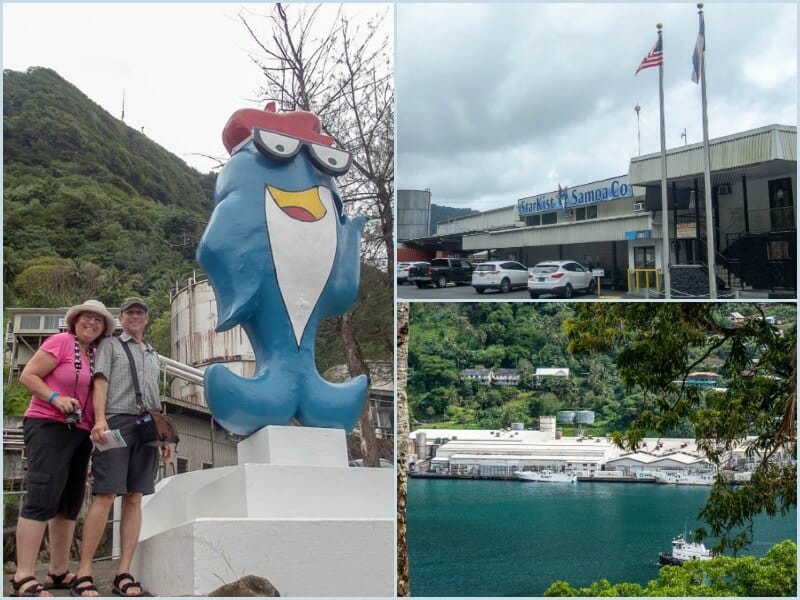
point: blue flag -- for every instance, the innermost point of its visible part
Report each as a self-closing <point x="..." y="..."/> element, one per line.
<point x="699" y="50"/>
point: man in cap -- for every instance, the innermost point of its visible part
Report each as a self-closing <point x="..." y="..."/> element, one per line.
<point x="129" y="471"/>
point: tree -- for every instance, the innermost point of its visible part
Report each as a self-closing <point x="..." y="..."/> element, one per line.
<point x="403" y="431"/>
<point x="773" y="575"/>
<point x="658" y="345"/>
<point x="345" y="77"/>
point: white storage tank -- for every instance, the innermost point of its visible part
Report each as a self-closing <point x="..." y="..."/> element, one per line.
<point x="518" y="427"/>
<point x="421" y="445"/>
<point x="548" y="425"/>
<point x="194" y="341"/>
<point x="566" y="416"/>
<point x="585" y="416"/>
<point x="413" y="214"/>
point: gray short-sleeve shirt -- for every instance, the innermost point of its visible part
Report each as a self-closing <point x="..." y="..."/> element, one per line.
<point x="111" y="361"/>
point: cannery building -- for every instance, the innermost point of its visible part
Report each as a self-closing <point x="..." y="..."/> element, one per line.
<point x="617" y="224"/>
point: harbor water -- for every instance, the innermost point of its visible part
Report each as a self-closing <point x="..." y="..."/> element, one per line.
<point x="509" y="538"/>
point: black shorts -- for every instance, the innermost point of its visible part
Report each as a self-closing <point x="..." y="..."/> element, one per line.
<point x="57" y="463"/>
<point x="129" y="469"/>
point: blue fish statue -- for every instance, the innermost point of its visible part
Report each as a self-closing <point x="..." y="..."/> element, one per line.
<point x="281" y="255"/>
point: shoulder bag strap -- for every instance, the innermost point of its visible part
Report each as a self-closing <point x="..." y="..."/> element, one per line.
<point x="134" y="375"/>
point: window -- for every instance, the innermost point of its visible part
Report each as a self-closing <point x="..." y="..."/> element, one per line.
<point x="781" y="203"/>
<point x="533" y="220"/>
<point x="183" y="465"/>
<point x="586" y="212"/>
<point x="51" y="321"/>
<point x="549" y="218"/>
<point x="29" y="321"/>
<point x="207" y="465"/>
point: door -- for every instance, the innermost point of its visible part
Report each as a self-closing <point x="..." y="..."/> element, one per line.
<point x="781" y="209"/>
<point x="644" y="257"/>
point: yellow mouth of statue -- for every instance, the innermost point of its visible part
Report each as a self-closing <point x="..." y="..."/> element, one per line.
<point x="304" y="205"/>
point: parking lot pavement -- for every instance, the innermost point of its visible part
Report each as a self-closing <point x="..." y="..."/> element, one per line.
<point x="468" y="293"/>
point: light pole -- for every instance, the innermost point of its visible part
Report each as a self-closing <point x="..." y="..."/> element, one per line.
<point x="637" y="108"/>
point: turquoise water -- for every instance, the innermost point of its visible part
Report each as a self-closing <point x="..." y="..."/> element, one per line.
<point x="508" y="538"/>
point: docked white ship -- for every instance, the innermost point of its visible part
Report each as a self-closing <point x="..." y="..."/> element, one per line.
<point x="546" y="476"/>
<point x="683" y="551"/>
<point x="684" y="478"/>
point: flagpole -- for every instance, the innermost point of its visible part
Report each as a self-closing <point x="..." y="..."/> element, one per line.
<point x="665" y="258"/>
<point x="711" y="246"/>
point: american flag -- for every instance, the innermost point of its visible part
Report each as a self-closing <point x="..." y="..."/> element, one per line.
<point x="653" y="58"/>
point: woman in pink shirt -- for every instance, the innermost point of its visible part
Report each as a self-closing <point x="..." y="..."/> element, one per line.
<point x="57" y="425"/>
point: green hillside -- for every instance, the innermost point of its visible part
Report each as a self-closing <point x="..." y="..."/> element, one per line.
<point x="91" y="207"/>
<point x="445" y="339"/>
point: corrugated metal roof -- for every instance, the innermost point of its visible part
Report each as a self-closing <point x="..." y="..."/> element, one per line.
<point x="748" y="152"/>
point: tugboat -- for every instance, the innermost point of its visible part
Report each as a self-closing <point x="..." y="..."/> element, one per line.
<point x="683" y="551"/>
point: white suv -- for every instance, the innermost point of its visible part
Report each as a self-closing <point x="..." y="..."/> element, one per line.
<point x="503" y="275"/>
<point x="560" y="277"/>
<point x="401" y="271"/>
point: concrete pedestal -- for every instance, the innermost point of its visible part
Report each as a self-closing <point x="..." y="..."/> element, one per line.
<point x="299" y="517"/>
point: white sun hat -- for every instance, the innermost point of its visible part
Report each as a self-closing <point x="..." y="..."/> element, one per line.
<point x="95" y="307"/>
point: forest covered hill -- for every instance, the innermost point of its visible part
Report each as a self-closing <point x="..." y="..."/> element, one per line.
<point x="444" y="339"/>
<point x="91" y="207"/>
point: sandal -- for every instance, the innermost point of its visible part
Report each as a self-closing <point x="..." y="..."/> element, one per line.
<point x="121" y="589"/>
<point x="32" y="591"/>
<point x="58" y="582"/>
<point x="76" y="589"/>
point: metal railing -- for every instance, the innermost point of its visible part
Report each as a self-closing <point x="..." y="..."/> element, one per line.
<point x="181" y="370"/>
<point x="634" y="278"/>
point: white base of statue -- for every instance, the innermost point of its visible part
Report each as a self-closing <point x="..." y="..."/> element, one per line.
<point x="304" y="520"/>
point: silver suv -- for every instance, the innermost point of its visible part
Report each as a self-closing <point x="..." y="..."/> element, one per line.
<point x="560" y="277"/>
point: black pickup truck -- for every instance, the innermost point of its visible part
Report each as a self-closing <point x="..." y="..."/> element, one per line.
<point x="440" y="272"/>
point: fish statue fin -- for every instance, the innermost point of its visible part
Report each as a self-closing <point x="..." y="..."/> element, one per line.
<point x="233" y="253"/>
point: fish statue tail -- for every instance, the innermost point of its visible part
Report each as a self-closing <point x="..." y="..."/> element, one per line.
<point x="335" y="405"/>
<point x="243" y="405"/>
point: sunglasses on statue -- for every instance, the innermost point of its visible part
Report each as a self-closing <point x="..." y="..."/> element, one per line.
<point x="284" y="147"/>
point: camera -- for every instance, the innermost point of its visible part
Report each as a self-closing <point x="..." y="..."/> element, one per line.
<point x="74" y="418"/>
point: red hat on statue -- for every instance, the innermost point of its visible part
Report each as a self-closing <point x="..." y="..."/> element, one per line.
<point x="299" y="123"/>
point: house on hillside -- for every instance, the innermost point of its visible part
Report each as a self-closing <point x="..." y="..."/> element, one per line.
<point x="543" y="372"/>
<point x="483" y="376"/>
<point x="506" y="377"/>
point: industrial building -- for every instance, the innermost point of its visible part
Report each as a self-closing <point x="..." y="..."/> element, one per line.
<point x="616" y="224"/>
<point x="498" y="453"/>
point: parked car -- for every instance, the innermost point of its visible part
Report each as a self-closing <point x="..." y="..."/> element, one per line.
<point x="560" y="277"/>
<point x="401" y="271"/>
<point x="440" y="272"/>
<point x="503" y="275"/>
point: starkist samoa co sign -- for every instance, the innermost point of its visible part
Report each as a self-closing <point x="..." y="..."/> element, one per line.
<point x="582" y="195"/>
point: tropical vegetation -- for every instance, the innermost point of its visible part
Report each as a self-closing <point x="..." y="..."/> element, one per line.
<point x="747" y="576"/>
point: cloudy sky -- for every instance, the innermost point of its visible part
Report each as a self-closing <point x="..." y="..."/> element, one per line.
<point x="185" y="68"/>
<point x="499" y="102"/>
